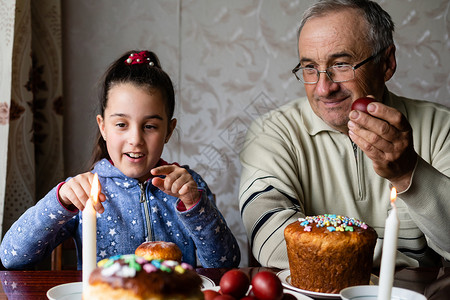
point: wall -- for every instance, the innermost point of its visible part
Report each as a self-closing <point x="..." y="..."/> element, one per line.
<point x="230" y="62"/>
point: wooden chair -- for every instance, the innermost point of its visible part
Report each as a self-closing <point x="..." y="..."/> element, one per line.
<point x="64" y="257"/>
<point x="57" y="259"/>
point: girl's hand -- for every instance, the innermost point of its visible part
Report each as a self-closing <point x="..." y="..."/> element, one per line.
<point x="76" y="191"/>
<point x="177" y="182"/>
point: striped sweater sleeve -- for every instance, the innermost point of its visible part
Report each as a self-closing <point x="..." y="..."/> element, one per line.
<point x="268" y="203"/>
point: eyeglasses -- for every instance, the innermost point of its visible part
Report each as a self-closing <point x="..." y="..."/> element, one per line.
<point x="336" y="73"/>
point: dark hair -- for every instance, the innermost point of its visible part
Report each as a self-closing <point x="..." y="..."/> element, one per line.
<point x="144" y="74"/>
<point x="380" y="24"/>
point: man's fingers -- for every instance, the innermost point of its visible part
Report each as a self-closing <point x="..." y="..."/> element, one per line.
<point x="389" y="114"/>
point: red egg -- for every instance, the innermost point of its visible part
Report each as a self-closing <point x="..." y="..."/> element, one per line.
<point x="234" y="283"/>
<point x="225" y="297"/>
<point x="210" y="295"/>
<point x="361" y="104"/>
<point x="267" y="286"/>
<point x="249" y="298"/>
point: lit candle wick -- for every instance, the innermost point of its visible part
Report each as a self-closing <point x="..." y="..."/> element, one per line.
<point x="393" y="195"/>
<point x="95" y="189"/>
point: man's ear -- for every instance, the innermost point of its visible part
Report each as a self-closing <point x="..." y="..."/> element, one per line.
<point x="101" y="126"/>
<point x="390" y="63"/>
<point x="170" y="129"/>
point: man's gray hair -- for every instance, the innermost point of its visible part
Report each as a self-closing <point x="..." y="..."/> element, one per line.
<point x="380" y="24"/>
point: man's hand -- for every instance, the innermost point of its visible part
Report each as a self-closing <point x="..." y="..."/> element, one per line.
<point x="386" y="138"/>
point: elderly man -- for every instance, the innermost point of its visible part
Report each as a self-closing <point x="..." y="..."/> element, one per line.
<point x="317" y="155"/>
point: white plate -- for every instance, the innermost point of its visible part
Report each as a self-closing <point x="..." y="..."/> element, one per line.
<point x="206" y="282"/>
<point x="73" y="290"/>
<point x="297" y="296"/>
<point x="285" y="277"/>
<point x="67" y="291"/>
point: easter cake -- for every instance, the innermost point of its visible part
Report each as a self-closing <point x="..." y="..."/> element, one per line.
<point x="134" y="277"/>
<point x="329" y="252"/>
<point x="159" y="250"/>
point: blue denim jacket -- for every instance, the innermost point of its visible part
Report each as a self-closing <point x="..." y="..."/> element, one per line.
<point x="200" y="231"/>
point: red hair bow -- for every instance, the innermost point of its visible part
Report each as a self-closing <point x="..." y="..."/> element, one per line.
<point x="139" y="58"/>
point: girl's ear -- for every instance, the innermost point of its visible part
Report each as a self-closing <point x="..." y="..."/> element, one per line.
<point x="101" y="126"/>
<point x="172" y="125"/>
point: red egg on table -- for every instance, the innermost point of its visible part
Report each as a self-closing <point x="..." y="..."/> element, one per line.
<point x="234" y="283"/>
<point x="225" y="297"/>
<point x="267" y="286"/>
<point x="210" y="294"/>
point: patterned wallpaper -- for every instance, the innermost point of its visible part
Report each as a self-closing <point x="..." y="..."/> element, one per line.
<point x="7" y="8"/>
<point x="230" y="62"/>
<point x="33" y="130"/>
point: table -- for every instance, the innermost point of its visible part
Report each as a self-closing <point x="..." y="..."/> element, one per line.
<point x="434" y="283"/>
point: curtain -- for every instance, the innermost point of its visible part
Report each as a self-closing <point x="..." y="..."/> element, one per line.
<point x="31" y="110"/>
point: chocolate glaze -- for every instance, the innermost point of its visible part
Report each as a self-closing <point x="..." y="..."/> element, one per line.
<point x="156" y="282"/>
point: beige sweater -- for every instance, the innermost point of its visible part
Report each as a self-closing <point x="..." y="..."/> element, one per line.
<point x="293" y="164"/>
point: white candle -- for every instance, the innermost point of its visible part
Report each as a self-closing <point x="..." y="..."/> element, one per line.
<point x="89" y="237"/>
<point x="389" y="251"/>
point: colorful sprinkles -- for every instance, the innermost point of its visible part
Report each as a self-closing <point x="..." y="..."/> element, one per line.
<point x="331" y="222"/>
<point x="131" y="264"/>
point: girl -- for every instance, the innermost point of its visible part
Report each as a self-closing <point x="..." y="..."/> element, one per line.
<point x="143" y="197"/>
